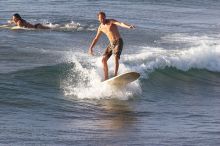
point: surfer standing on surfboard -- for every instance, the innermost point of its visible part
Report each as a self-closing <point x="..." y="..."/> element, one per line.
<point x="17" y="20"/>
<point x="109" y="28"/>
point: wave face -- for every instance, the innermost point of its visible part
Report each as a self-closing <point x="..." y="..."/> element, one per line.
<point x="84" y="78"/>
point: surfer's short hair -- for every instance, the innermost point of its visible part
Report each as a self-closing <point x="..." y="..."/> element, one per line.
<point x="16" y="15"/>
<point x="102" y="13"/>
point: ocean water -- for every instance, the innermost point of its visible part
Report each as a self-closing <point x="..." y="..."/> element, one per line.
<point x="50" y="91"/>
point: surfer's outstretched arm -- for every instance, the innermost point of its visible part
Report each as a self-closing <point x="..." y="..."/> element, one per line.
<point x="95" y="40"/>
<point x="122" y="24"/>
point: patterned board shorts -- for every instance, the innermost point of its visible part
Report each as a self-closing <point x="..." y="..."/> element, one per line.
<point x="115" y="48"/>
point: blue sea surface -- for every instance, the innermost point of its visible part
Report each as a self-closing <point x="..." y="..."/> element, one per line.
<point x="51" y="91"/>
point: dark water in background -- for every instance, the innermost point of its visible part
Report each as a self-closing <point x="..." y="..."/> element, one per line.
<point x="50" y="92"/>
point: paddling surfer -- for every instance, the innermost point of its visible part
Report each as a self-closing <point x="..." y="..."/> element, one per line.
<point x="110" y="29"/>
<point x="17" y="20"/>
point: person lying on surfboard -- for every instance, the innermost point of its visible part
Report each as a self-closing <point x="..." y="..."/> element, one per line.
<point x="109" y="28"/>
<point x="17" y="20"/>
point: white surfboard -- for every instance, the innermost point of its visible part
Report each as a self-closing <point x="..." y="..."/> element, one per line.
<point x="5" y="26"/>
<point x="14" y="27"/>
<point x="123" y="79"/>
<point x="20" y="28"/>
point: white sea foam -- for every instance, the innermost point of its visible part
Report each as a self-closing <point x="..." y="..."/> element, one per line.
<point x="52" y="26"/>
<point x="88" y="85"/>
<point x="72" y="26"/>
<point x="204" y="54"/>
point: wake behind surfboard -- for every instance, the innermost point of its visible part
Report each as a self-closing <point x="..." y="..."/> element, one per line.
<point x="123" y="79"/>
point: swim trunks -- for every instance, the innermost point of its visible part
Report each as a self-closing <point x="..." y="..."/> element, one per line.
<point x="115" y="48"/>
